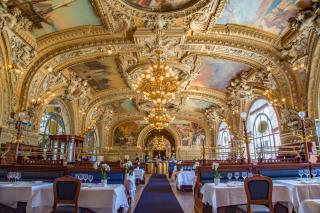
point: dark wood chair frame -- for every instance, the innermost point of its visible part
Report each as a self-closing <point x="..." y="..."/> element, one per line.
<point x="259" y="202"/>
<point x="66" y="178"/>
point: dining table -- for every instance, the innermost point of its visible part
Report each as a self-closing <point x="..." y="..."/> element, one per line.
<point x="39" y="196"/>
<point x="139" y="173"/>
<point x="185" y="178"/>
<point x="310" y="206"/>
<point x="11" y="193"/>
<point x="232" y="193"/>
<point x="302" y="189"/>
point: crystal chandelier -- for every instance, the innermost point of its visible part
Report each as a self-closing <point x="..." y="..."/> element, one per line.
<point x="159" y="83"/>
<point x="159" y="143"/>
<point x="159" y="118"/>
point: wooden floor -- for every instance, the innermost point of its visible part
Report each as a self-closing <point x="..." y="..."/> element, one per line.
<point x="185" y="198"/>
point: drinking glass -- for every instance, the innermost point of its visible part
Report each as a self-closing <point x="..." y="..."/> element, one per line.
<point x="76" y="176"/>
<point x="314" y="173"/>
<point x="237" y="175"/>
<point x="300" y="173"/>
<point x="244" y="175"/>
<point x="306" y="172"/>
<point x="229" y="175"/>
<point x="9" y="176"/>
<point x="80" y="177"/>
<point x="85" y="177"/>
<point x="18" y="176"/>
<point x="90" y="177"/>
<point x="250" y="174"/>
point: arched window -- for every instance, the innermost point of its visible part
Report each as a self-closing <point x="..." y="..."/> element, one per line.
<point x="52" y="122"/>
<point x="263" y="127"/>
<point x="224" y="140"/>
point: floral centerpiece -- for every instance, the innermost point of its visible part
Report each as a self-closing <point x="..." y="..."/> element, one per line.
<point x="128" y="166"/>
<point x="195" y="165"/>
<point x="105" y="168"/>
<point x="216" y="174"/>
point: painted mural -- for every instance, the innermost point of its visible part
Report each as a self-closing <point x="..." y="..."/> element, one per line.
<point x="196" y="104"/>
<point x="54" y="15"/>
<point x="160" y="5"/>
<point x="269" y="15"/>
<point x="217" y="73"/>
<point x="191" y="133"/>
<point x="127" y="133"/>
<point x="100" y="74"/>
<point x="123" y="106"/>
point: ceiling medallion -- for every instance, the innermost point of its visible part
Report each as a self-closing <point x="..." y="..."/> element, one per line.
<point x="161" y="6"/>
<point x="150" y="9"/>
<point x="159" y="118"/>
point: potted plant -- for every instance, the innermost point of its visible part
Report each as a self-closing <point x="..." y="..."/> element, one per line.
<point x="216" y="174"/>
<point x="105" y="168"/>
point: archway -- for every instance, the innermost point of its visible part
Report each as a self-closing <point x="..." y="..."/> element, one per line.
<point x="159" y="144"/>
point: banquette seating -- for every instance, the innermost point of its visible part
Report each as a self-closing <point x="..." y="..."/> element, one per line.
<point x="281" y="171"/>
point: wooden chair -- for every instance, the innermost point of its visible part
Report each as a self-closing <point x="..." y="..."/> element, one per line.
<point x="259" y="195"/>
<point x="66" y="192"/>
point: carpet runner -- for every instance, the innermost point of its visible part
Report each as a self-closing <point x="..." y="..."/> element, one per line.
<point x="158" y="197"/>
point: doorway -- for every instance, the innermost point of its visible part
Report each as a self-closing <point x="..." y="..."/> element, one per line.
<point x="161" y="153"/>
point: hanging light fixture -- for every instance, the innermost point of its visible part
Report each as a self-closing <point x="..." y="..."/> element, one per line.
<point x="159" y="118"/>
<point x="159" y="83"/>
<point x="159" y="143"/>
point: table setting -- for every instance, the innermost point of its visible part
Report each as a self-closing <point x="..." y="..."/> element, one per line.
<point x="185" y="178"/>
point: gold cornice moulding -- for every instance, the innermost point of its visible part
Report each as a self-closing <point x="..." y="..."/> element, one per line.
<point x="79" y="36"/>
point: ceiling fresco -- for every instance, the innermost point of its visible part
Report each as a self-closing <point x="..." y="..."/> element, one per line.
<point x="217" y="73"/>
<point x="268" y="15"/>
<point x="191" y="133"/>
<point x="124" y="106"/>
<point x="160" y="5"/>
<point x="54" y="15"/>
<point x="101" y="74"/>
<point x="196" y="104"/>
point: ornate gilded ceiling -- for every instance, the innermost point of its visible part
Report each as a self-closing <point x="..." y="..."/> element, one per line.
<point x="90" y="51"/>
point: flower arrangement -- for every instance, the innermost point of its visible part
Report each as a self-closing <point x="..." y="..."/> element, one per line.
<point x="104" y="169"/>
<point x="195" y="165"/>
<point x="215" y="167"/>
<point x="128" y="166"/>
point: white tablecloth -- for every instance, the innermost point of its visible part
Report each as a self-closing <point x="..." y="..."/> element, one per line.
<point x="96" y="197"/>
<point x="138" y="173"/>
<point x="310" y="206"/>
<point x="131" y="186"/>
<point x="301" y="190"/>
<point x="12" y="193"/>
<point x="223" y="195"/>
<point x="185" y="178"/>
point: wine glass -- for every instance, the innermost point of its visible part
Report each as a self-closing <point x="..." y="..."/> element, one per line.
<point x="244" y="175"/>
<point x="18" y="176"/>
<point x="9" y="176"/>
<point x="229" y="175"/>
<point x="300" y="173"/>
<point x="250" y="174"/>
<point x="90" y="177"/>
<point x="237" y="175"/>
<point x="76" y="176"/>
<point x="307" y="173"/>
<point x="314" y="173"/>
<point x="85" y="177"/>
<point x="80" y="177"/>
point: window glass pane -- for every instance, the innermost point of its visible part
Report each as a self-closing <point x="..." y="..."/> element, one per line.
<point x="262" y="125"/>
